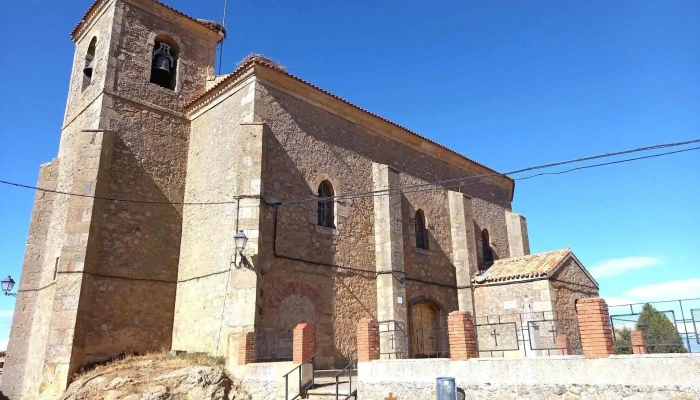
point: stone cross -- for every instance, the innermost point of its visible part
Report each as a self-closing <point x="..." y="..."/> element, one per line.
<point x="391" y="397"/>
<point x="495" y="337"/>
<point x="553" y="332"/>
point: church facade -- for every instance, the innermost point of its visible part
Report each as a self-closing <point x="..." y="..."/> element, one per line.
<point x="169" y="164"/>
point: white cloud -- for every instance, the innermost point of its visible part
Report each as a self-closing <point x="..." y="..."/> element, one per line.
<point x="6" y="313"/>
<point x="3" y="345"/>
<point x="619" y="266"/>
<point x="671" y="290"/>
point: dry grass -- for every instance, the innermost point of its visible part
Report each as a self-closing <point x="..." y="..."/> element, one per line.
<point x="138" y="364"/>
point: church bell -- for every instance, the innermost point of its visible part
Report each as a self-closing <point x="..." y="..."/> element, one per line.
<point x="162" y="67"/>
<point x="88" y="69"/>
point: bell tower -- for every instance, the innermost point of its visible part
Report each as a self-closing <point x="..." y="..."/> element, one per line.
<point x="100" y="271"/>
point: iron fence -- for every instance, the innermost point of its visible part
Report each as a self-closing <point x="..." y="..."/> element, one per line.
<point x="393" y="339"/>
<point x="532" y="333"/>
<point x="430" y="342"/>
<point x="562" y="335"/>
<point x="273" y="344"/>
<point x="422" y="342"/>
<point x="671" y="326"/>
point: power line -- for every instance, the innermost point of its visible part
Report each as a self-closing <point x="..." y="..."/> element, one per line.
<point x="607" y="163"/>
<point x="461" y="180"/>
<point x="447" y="183"/>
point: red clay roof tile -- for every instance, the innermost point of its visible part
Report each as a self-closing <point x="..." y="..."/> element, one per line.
<point x="538" y="265"/>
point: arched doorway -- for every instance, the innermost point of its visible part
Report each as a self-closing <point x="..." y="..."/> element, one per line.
<point x="286" y="306"/>
<point x="428" y="330"/>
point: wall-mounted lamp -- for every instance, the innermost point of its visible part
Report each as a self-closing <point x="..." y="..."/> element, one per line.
<point x="7" y="285"/>
<point x="240" y="242"/>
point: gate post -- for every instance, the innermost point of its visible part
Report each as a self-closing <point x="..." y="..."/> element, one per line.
<point x="303" y="343"/>
<point x="245" y="343"/>
<point x="460" y="328"/>
<point x="367" y="340"/>
<point x="562" y="344"/>
<point x="639" y="345"/>
<point x="594" y="323"/>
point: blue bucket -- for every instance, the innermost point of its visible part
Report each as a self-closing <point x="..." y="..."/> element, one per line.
<point x="446" y="388"/>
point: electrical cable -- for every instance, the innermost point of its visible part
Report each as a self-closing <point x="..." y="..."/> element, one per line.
<point x="404" y="189"/>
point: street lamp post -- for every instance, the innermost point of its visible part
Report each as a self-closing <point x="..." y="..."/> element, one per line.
<point x="240" y="242"/>
<point x="7" y="285"/>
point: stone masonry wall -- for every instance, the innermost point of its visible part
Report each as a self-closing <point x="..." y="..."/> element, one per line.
<point x="219" y="168"/>
<point x="137" y="24"/>
<point x="72" y="136"/>
<point x="509" y="298"/>
<point x="505" y="303"/>
<point x="29" y="287"/>
<point x="136" y="258"/>
<point x="80" y="96"/>
<point x="557" y="377"/>
<point x="109" y="270"/>
<point x="569" y="284"/>
<point x="306" y="145"/>
<point x="490" y="216"/>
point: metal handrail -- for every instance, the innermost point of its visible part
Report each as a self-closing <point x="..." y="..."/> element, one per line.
<point x="311" y="359"/>
<point x="348" y="367"/>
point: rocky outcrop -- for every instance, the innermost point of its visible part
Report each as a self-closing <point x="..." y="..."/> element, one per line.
<point x="162" y="378"/>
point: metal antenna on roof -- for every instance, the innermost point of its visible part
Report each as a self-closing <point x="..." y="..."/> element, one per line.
<point x="221" y="46"/>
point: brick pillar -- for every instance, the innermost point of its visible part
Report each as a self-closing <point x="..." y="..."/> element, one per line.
<point x="303" y="343"/>
<point x="639" y="345"/>
<point x="460" y="328"/>
<point x="594" y="323"/>
<point x="563" y="344"/>
<point x="367" y="340"/>
<point x="246" y="348"/>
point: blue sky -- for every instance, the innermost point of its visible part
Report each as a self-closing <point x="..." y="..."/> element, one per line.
<point x="507" y="83"/>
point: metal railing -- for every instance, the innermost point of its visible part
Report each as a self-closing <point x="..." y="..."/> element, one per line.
<point x="427" y="342"/>
<point x="271" y="346"/>
<point x="534" y="333"/>
<point x="393" y="339"/>
<point x="303" y="386"/>
<point x="349" y="368"/>
<point x="430" y="342"/>
<point x="671" y="326"/>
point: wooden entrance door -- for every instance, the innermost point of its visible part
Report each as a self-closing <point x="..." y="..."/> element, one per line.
<point x="424" y="320"/>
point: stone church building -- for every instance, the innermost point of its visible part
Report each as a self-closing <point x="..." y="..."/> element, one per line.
<point x="169" y="163"/>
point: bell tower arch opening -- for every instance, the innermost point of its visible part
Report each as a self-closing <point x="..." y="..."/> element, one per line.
<point x="89" y="63"/>
<point x="164" y="62"/>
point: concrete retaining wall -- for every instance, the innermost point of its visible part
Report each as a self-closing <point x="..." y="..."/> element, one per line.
<point x="265" y="381"/>
<point x="652" y="376"/>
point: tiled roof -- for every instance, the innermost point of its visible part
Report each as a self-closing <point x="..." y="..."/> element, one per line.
<point x="98" y="2"/>
<point x="238" y="71"/>
<point x="539" y="265"/>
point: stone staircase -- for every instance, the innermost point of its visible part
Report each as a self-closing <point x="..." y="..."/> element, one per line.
<point x="325" y="388"/>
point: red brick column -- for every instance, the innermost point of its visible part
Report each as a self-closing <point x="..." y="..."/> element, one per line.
<point x="367" y="340"/>
<point x="460" y="327"/>
<point x="246" y="348"/>
<point x="303" y="343"/>
<point x="563" y="344"/>
<point x="594" y="323"/>
<point x="639" y="345"/>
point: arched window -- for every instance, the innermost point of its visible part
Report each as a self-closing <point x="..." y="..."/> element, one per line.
<point x="486" y="250"/>
<point x="89" y="63"/>
<point x="164" y="62"/>
<point x="325" y="207"/>
<point x="421" y="232"/>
